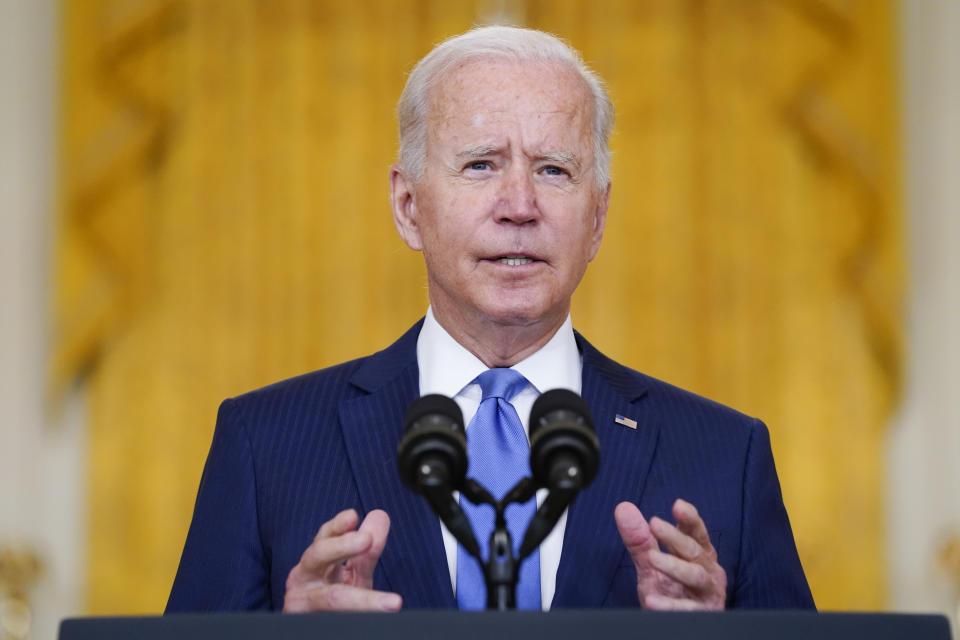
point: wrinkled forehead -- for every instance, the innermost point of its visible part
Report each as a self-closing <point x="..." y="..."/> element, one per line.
<point x="484" y="87"/>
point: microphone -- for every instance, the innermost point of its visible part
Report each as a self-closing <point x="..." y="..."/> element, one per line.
<point x="432" y="460"/>
<point x="564" y="456"/>
<point x="433" y="450"/>
<point x="564" y="451"/>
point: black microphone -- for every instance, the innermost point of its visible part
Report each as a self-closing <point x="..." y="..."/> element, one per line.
<point x="564" y="456"/>
<point x="432" y="460"/>
<point x="433" y="450"/>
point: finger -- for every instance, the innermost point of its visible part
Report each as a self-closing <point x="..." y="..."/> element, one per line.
<point x="327" y="552"/>
<point x="657" y="602"/>
<point x="690" y="522"/>
<point x="377" y="525"/>
<point x="341" y="597"/>
<point x="690" y="574"/>
<point x="674" y="540"/>
<point x="339" y="524"/>
<point x="635" y="533"/>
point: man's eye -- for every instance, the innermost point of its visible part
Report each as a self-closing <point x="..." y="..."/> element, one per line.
<point x="553" y="170"/>
<point x="479" y="165"/>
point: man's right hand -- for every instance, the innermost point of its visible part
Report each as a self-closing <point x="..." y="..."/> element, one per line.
<point x="335" y="573"/>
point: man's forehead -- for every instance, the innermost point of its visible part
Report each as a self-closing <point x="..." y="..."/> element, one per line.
<point x="509" y="88"/>
<point x="477" y="115"/>
<point x="569" y="138"/>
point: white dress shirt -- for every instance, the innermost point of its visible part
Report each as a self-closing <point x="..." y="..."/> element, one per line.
<point x="447" y="368"/>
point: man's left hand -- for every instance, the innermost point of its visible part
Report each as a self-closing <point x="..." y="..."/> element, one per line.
<point x="687" y="577"/>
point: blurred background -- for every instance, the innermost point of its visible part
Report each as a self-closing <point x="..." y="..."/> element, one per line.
<point x="194" y="204"/>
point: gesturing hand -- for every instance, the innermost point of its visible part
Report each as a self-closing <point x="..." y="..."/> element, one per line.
<point x="335" y="573"/>
<point x="686" y="577"/>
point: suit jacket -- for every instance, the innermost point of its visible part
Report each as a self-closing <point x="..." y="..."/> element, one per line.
<point x="288" y="457"/>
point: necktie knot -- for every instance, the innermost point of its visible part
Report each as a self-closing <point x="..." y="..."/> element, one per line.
<point x="501" y="383"/>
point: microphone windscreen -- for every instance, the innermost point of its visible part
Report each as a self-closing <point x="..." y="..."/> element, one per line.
<point x="434" y="430"/>
<point x="558" y="399"/>
<point x="433" y="404"/>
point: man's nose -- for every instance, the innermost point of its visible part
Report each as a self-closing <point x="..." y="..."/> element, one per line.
<point x="518" y="198"/>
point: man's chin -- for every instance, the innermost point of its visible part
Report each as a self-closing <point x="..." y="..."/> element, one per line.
<point x="499" y="307"/>
<point x="518" y="314"/>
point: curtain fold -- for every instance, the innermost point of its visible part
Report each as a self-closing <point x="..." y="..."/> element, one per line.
<point x="224" y="223"/>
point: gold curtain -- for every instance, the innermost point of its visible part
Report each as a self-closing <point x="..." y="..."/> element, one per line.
<point x="224" y="223"/>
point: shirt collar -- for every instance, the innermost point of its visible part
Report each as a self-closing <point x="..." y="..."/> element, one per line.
<point x="446" y="367"/>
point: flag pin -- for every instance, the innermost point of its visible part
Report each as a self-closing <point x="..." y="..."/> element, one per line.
<point x="627" y="422"/>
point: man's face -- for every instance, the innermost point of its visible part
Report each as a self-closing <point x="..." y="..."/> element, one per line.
<point x="508" y="212"/>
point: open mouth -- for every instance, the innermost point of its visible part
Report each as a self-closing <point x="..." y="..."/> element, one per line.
<point x="515" y="261"/>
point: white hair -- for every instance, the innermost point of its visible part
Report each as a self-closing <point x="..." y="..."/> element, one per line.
<point x="503" y="42"/>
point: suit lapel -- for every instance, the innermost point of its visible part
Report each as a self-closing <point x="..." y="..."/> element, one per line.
<point x="592" y="549"/>
<point x="413" y="561"/>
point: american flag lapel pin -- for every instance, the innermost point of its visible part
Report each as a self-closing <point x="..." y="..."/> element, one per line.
<point x="625" y="421"/>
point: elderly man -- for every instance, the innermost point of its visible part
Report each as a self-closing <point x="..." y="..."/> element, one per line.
<point x="503" y="184"/>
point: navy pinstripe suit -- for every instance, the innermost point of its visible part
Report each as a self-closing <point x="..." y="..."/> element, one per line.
<point x="288" y="457"/>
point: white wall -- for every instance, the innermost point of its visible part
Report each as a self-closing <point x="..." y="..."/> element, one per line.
<point x="924" y="452"/>
<point x="41" y="492"/>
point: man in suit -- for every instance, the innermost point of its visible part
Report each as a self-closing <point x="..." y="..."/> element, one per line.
<point x="503" y="185"/>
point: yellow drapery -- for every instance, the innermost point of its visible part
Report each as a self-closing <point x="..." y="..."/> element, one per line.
<point x="224" y="223"/>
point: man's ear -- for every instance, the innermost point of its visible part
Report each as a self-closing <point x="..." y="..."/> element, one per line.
<point x="404" y="203"/>
<point x="600" y="220"/>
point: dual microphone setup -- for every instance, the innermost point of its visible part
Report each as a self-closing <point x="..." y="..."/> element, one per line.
<point x="564" y="456"/>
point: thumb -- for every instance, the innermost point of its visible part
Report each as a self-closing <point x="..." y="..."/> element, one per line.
<point x="377" y="524"/>
<point x="635" y="533"/>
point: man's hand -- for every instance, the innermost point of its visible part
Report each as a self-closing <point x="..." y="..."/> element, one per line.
<point x="335" y="573"/>
<point x="687" y="577"/>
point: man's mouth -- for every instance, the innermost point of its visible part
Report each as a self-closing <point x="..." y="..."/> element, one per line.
<point x="514" y="261"/>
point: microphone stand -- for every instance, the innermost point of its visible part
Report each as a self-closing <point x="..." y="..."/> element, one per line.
<point x="502" y="568"/>
<point x="432" y="461"/>
<point x="501" y="571"/>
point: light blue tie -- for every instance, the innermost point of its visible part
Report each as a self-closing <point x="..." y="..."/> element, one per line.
<point x="499" y="456"/>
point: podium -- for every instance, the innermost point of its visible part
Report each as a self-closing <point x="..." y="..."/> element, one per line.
<point x="594" y="624"/>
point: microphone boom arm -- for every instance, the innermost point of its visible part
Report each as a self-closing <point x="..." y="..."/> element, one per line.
<point x="436" y="489"/>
